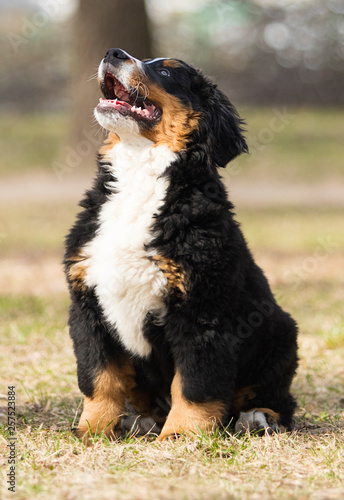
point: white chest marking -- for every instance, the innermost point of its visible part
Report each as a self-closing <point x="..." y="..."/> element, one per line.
<point x="129" y="285"/>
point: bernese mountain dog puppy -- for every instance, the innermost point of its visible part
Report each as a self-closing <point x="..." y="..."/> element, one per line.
<point x="169" y="311"/>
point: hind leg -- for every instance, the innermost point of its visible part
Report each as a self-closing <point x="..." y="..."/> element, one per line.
<point x="259" y="409"/>
<point x="268" y="404"/>
<point x="259" y="420"/>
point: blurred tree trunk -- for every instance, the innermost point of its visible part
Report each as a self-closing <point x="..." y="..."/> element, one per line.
<point x="98" y="26"/>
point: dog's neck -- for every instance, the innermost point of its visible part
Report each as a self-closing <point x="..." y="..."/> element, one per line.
<point x="133" y="141"/>
<point x="134" y="154"/>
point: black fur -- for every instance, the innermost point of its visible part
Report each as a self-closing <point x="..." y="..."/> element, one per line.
<point x="227" y="331"/>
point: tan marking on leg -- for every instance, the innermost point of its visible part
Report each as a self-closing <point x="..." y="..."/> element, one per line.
<point x="187" y="417"/>
<point x="77" y="271"/>
<point x="101" y="412"/>
<point x="111" y="141"/>
<point x="175" y="275"/>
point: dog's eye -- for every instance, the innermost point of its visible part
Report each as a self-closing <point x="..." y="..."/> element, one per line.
<point x="164" y="72"/>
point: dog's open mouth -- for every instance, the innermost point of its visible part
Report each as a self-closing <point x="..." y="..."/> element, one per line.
<point x="126" y="102"/>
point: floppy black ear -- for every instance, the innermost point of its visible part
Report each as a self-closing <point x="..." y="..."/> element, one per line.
<point x="226" y="133"/>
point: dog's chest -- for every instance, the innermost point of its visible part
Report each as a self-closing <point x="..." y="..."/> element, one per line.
<point x="127" y="282"/>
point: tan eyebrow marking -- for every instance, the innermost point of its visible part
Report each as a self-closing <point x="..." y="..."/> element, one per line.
<point x="172" y="63"/>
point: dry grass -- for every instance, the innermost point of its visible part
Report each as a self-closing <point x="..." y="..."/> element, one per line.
<point x="37" y="358"/>
<point x="290" y="466"/>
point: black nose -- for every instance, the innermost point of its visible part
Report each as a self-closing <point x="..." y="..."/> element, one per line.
<point x="113" y="55"/>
